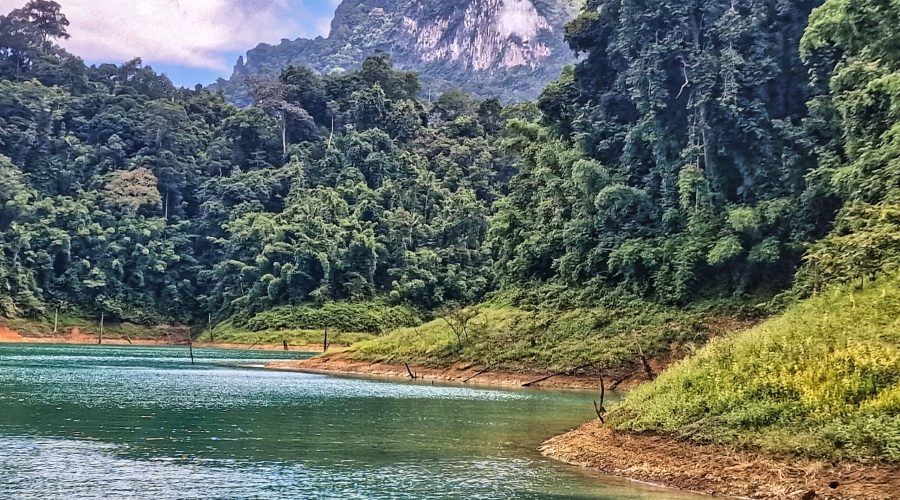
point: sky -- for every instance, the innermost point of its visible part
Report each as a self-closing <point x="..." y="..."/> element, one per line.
<point x="191" y="41"/>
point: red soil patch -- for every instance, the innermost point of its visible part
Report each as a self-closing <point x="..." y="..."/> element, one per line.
<point x="7" y="335"/>
<point x="76" y="336"/>
<point x="720" y="470"/>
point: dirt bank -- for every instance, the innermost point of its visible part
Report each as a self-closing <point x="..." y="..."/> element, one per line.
<point x="457" y="373"/>
<point x="7" y="335"/>
<point x="719" y="470"/>
<point x="75" y="336"/>
<point x="260" y="347"/>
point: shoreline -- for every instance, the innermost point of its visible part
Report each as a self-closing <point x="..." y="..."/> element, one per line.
<point x="718" y="469"/>
<point x="471" y="375"/>
<point x="8" y="336"/>
<point x="662" y="461"/>
<point x="657" y="460"/>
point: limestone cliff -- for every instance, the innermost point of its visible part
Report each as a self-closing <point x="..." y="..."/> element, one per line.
<point x="501" y="48"/>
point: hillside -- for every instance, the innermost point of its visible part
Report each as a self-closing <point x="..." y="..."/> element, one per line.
<point x="507" y="49"/>
<point x="576" y="341"/>
<point x="705" y="162"/>
<point x="805" y="404"/>
<point x="822" y="379"/>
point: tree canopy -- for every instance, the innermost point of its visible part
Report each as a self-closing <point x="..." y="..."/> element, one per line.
<point x="699" y="149"/>
<point x="126" y="195"/>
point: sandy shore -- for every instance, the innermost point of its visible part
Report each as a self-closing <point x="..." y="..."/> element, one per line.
<point x="719" y="470"/>
<point x="461" y="374"/>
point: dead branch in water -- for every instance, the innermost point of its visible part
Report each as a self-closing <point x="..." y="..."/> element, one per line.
<point x="621" y="379"/>
<point x="100" y="335"/>
<point x="479" y="372"/>
<point x="598" y="407"/>
<point x="567" y="372"/>
<point x="411" y="374"/>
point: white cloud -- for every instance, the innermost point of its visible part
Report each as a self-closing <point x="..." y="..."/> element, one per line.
<point x="193" y="33"/>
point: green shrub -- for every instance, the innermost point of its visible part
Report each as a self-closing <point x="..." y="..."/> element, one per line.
<point x="503" y="336"/>
<point x="369" y="317"/>
<point x="228" y="332"/>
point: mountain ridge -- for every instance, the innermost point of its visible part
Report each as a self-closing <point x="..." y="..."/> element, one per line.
<point x="507" y="49"/>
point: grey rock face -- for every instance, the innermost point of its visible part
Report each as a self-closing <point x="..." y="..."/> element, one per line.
<point x="492" y="48"/>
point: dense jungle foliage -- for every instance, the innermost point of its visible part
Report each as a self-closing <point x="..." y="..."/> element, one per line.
<point x="699" y="149"/>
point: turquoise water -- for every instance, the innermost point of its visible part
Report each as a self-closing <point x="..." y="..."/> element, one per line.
<point x="139" y="422"/>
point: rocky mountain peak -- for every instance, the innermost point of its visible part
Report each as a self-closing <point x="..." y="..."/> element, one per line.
<point x="492" y="35"/>
<point x="499" y="48"/>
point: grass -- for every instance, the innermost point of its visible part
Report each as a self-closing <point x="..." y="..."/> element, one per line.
<point x="506" y="337"/>
<point x="370" y="317"/>
<point x="43" y="327"/>
<point x="227" y="332"/>
<point x="822" y="379"/>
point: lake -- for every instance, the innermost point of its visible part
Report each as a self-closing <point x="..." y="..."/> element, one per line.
<point x="140" y="422"/>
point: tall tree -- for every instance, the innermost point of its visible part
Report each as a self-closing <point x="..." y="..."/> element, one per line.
<point x="25" y="32"/>
<point x="853" y="49"/>
<point x="273" y="97"/>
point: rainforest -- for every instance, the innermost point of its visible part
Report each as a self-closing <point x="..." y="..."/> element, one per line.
<point x="705" y="205"/>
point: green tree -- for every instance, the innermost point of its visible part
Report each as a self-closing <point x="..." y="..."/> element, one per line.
<point x="853" y="49"/>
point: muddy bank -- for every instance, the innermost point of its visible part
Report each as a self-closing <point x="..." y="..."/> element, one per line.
<point x="457" y="373"/>
<point x="75" y="336"/>
<point x="263" y="347"/>
<point x="719" y="470"/>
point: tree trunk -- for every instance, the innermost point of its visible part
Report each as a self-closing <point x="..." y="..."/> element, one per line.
<point x="284" y="144"/>
<point x="330" y="136"/>
<point x="708" y="167"/>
